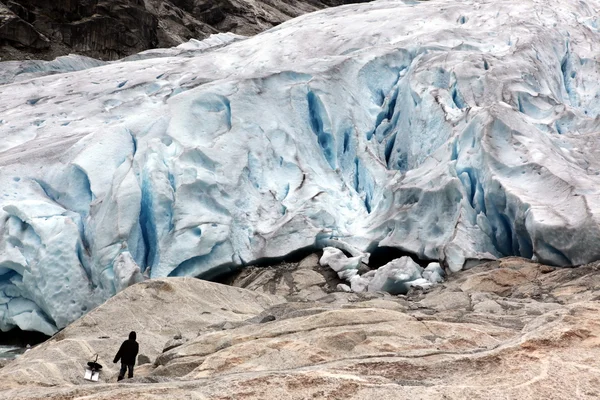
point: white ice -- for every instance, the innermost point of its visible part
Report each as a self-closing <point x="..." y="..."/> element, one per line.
<point x="346" y="267"/>
<point x="434" y="273"/>
<point x="395" y="276"/>
<point x="454" y="131"/>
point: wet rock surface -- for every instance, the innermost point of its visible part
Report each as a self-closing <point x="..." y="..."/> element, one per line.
<point x="304" y="280"/>
<point x="505" y="329"/>
<point x="114" y="29"/>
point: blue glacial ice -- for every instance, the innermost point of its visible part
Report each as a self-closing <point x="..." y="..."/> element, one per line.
<point x="450" y="131"/>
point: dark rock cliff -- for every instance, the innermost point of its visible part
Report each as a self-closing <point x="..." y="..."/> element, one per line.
<point x="45" y="29"/>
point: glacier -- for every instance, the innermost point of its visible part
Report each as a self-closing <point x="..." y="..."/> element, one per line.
<point x="452" y="131"/>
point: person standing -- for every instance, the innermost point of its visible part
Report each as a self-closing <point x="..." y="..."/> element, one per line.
<point x="127" y="354"/>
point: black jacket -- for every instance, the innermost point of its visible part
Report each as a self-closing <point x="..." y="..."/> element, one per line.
<point x="128" y="352"/>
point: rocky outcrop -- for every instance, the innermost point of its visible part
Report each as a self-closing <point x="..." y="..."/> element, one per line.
<point x="296" y="281"/>
<point x="113" y="29"/>
<point x="158" y="310"/>
<point x="16" y="30"/>
<point x="505" y="329"/>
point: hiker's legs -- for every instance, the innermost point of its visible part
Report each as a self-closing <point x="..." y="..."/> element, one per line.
<point x="122" y="372"/>
<point x="130" y="374"/>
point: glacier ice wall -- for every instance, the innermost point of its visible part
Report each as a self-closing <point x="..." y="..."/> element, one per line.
<point x="453" y="131"/>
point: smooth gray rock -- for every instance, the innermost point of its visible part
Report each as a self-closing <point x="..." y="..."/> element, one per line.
<point x="499" y="336"/>
<point x="157" y="310"/>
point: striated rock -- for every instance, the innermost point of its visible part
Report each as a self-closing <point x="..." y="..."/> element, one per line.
<point x="157" y="310"/>
<point x="447" y="301"/>
<point x="304" y="280"/>
<point x="489" y="342"/>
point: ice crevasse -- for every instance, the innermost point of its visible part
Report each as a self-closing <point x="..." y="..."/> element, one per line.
<point x="454" y="131"/>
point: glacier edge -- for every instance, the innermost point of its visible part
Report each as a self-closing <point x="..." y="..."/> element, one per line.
<point x="455" y="136"/>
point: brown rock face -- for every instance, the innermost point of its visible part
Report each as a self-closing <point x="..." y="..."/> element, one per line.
<point x="113" y="29"/>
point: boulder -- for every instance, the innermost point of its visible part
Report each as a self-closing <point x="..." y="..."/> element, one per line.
<point x="143" y="359"/>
